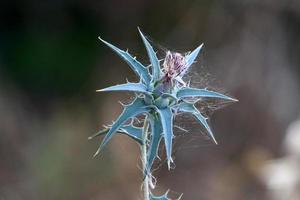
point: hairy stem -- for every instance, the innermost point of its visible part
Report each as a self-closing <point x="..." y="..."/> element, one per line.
<point x="144" y="159"/>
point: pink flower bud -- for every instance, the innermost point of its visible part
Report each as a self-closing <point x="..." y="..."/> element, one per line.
<point x="174" y="65"/>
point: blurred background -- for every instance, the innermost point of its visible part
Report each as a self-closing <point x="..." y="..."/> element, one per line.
<point x="51" y="63"/>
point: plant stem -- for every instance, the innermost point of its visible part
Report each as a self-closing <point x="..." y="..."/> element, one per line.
<point x="144" y="159"/>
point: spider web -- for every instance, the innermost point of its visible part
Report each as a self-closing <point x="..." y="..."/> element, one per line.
<point x="188" y="133"/>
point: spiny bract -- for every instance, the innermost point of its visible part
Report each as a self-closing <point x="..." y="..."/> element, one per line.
<point x="160" y="94"/>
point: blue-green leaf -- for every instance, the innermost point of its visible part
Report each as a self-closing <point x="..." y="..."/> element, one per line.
<point x="156" y="135"/>
<point x="135" y="108"/>
<point x="190" y="58"/>
<point x="190" y="108"/>
<point x="129" y="130"/>
<point x="135" y="65"/>
<point x="163" y="197"/>
<point x="195" y="92"/>
<point x="134" y="87"/>
<point x="166" y="117"/>
<point x="101" y="132"/>
<point x="167" y="95"/>
<point x="156" y="71"/>
<point x="134" y="132"/>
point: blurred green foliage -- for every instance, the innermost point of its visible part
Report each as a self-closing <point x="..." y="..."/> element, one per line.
<point x="51" y="63"/>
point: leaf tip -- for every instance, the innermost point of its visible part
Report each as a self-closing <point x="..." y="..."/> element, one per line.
<point x="169" y="165"/>
<point x="97" y="153"/>
<point x="170" y="160"/>
<point x="100" y="90"/>
<point x="234" y="100"/>
<point x="99" y="37"/>
<point x="108" y="44"/>
<point x="142" y="35"/>
<point x="211" y="135"/>
<point x="139" y="30"/>
<point x="200" y="46"/>
<point x="179" y="198"/>
<point x="215" y="141"/>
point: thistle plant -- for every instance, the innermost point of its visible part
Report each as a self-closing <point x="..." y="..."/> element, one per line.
<point x="160" y="95"/>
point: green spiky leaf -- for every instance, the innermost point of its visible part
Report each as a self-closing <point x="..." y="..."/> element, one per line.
<point x="156" y="71"/>
<point x="156" y="135"/>
<point x="166" y="117"/>
<point x="99" y="133"/>
<point x="195" y="92"/>
<point x="190" y="108"/>
<point x="134" y="87"/>
<point x="163" y="197"/>
<point x="135" y="65"/>
<point x="129" y="130"/>
<point x="134" y="132"/>
<point x="191" y="57"/>
<point x="159" y="198"/>
<point x="167" y="95"/>
<point x="135" y="108"/>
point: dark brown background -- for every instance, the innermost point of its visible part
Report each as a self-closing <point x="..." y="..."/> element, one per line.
<point x="51" y="63"/>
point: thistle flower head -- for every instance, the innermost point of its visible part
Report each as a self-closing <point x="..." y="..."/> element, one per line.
<point x="174" y="65"/>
